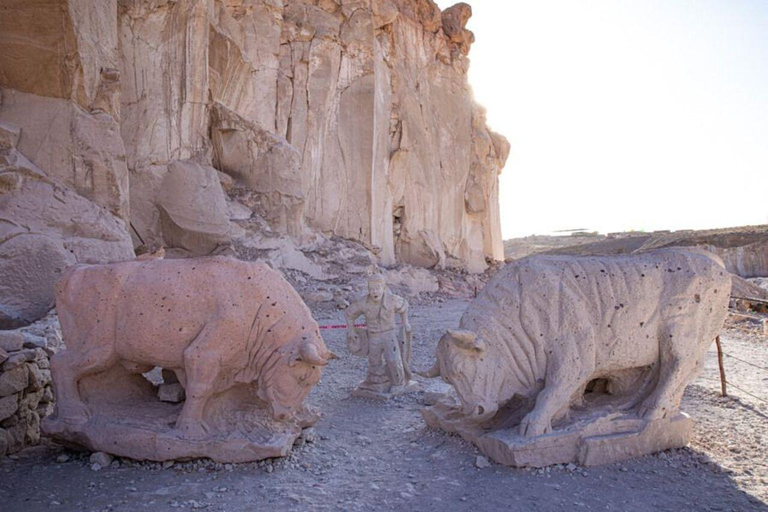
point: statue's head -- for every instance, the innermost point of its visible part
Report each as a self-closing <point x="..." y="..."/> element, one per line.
<point x="377" y="286"/>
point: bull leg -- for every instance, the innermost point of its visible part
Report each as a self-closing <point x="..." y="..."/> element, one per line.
<point x="201" y="369"/>
<point x="674" y="369"/>
<point x="67" y="369"/>
<point x="182" y="377"/>
<point x="569" y="368"/>
<point x="677" y="396"/>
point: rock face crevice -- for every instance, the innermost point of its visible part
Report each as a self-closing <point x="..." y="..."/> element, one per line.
<point x="352" y="118"/>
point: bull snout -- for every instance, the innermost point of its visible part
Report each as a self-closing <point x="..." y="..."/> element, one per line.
<point x="280" y="413"/>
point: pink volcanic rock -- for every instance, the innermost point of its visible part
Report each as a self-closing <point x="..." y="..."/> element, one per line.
<point x="237" y="336"/>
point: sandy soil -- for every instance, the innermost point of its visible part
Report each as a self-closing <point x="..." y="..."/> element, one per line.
<point x="373" y="456"/>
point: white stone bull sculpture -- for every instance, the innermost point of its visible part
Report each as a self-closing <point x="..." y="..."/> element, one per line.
<point x="546" y="326"/>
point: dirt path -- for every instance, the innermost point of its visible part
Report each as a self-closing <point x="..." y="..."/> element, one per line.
<point x="373" y="456"/>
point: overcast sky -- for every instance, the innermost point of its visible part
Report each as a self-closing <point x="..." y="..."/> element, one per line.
<point x="626" y="114"/>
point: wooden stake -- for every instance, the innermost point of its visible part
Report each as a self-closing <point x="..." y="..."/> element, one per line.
<point x="720" y="363"/>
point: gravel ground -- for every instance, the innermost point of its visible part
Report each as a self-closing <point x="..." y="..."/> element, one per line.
<point x="380" y="456"/>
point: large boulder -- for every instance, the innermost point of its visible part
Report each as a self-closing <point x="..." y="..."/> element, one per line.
<point x="45" y="227"/>
<point x="263" y="162"/>
<point x="193" y="209"/>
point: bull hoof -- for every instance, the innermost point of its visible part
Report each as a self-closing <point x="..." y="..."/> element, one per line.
<point x="651" y="411"/>
<point x="75" y="413"/>
<point x="533" y="426"/>
<point x="191" y="430"/>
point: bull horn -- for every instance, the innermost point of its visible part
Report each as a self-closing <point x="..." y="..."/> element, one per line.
<point x="466" y="339"/>
<point x="330" y="356"/>
<point x="308" y="354"/>
<point x="432" y="372"/>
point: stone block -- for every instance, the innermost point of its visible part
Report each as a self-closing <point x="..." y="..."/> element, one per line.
<point x="18" y="358"/>
<point x="8" y="406"/>
<point x="33" y="341"/>
<point x="173" y="393"/>
<point x="4" y="442"/>
<point x="13" y="381"/>
<point x="38" y="378"/>
<point x="11" y="341"/>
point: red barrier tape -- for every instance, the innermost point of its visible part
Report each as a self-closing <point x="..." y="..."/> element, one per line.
<point x="338" y="326"/>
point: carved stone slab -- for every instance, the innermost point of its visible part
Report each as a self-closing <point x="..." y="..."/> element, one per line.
<point x="142" y="427"/>
<point x="600" y="437"/>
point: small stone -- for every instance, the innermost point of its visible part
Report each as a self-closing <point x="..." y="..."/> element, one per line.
<point x="47" y="395"/>
<point x="16" y="359"/>
<point x="571" y="467"/>
<point x="482" y="462"/>
<point x="101" y="458"/>
<point x="38" y="378"/>
<point x="309" y="435"/>
<point x="173" y="393"/>
<point x="13" y="381"/>
<point x="34" y="341"/>
<point x="61" y="459"/>
<point x="168" y="464"/>
<point x="11" y="341"/>
<point x="8" y="406"/>
<point x="44" y="409"/>
<point x="96" y="467"/>
<point x="5" y="442"/>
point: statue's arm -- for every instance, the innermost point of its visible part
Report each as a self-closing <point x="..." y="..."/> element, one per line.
<point x="404" y="316"/>
<point x="353" y="312"/>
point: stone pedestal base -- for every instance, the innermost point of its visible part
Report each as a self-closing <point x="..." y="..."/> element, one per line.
<point x="366" y="391"/>
<point x="140" y="426"/>
<point x="590" y="439"/>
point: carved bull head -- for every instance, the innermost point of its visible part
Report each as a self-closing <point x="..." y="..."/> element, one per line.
<point x="294" y="375"/>
<point x="464" y="362"/>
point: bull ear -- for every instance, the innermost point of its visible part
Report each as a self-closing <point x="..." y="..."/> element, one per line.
<point x="466" y="339"/>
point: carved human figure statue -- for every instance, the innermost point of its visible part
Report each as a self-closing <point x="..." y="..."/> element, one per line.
<point x="388" y="359"/>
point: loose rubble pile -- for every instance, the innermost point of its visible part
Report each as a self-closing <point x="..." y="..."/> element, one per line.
<point x="25" y="382"/>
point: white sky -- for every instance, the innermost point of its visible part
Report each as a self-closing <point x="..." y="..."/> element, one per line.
<point x="626" y="114"/>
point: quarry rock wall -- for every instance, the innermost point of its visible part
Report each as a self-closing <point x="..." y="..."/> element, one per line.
<point x="352" y="118"/>
<point x="349" y="118"/>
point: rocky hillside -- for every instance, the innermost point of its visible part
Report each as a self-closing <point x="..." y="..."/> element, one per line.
<point x="744" y="250"/>
<point x="195" y="124"/>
